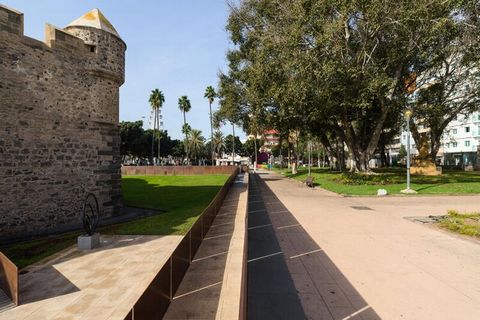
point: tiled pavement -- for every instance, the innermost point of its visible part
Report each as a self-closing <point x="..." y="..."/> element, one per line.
<point x="103" y="283"/>
<point x="199" y="292"/>
<point x="289" y="276"/>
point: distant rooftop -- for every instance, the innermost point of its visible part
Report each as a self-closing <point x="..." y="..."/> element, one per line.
<point x="273" y="131"/>
<point x="95" y="19"/>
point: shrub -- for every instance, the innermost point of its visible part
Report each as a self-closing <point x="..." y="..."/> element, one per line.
<point x="352" y="178"/>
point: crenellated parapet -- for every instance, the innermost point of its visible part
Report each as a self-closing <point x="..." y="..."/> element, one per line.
<point x="11" y="21"/>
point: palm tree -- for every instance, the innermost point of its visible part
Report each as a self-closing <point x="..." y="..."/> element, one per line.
<point x="218" y="142"/>
<point x="196" y="141"/>
<point x="210" y="94"/>
<point x="156" y="101"/>
<point x="185" y="106"/>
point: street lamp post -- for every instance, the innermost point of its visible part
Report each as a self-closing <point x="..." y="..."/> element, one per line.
<point x="408" y="115"/>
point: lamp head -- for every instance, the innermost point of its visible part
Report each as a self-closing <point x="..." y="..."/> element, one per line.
<point x="408" y="114"/>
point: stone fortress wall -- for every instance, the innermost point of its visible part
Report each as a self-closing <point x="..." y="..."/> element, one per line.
<point x="59" y="133"/>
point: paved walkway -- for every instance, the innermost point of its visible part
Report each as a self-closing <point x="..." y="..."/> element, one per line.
<point x="200" y="291"/>
<point x="289" y="275"/>
<point x="103" y="283"/>
<point x="401" y="269"/>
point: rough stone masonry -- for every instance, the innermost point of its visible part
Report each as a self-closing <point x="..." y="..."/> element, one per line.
<point x="59" y="134"/>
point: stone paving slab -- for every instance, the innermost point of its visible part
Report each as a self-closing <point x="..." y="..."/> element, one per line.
<point x="289" y="275"/>
<point x="402" y="269"/>
<point x="99" y="284"/>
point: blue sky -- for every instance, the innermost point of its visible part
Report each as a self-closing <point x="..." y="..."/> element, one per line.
<point x="177" y="46"/>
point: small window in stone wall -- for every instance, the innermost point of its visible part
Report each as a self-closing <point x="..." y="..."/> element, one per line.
<point x="91" y="48"/>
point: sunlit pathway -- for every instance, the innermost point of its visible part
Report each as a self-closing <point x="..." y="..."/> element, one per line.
<point x="198" y="295"/>
<point x="289" y="275"/>
<point x="401" y="269"/>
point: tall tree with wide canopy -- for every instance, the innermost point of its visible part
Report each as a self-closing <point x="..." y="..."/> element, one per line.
<point x="156" y="101"/>
<point x="210" y="94"/>
<point x="184" y="105"/>
<point x="333" y="69"/>
<point x="449" y="83"/>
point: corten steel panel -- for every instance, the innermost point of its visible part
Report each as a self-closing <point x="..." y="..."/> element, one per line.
<point x="207" y="221"/>
<point x="180" y="262"/>
<point x="196" y="237"/>
<point x="154" y="302"/>
<point x="129" y="316"/>
<point x="9" y="278"/>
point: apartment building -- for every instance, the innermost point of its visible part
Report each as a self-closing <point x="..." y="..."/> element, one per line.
<point x="460" y="143"/>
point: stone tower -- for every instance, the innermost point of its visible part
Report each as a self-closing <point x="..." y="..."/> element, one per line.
<point x="59" y="133"/>
<point x="103" y="40"/>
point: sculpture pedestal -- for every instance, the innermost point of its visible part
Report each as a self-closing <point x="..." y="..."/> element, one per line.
<point x="425" y="167"/>
<point x="86" y="242"/>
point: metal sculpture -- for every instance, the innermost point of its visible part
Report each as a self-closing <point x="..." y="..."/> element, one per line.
<point x="91" y="214"/>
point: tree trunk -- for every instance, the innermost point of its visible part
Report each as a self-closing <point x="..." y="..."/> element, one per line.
<point x="434" y="145"/>
<point x="211" y="131"/>
<point x="233" y="143"/>
<point x="256" y="151"/>
<point x="186" y="136"/>
<point x="383" y="156"/>
<point x="159" y="135"/>
<point x="153" y="136"/>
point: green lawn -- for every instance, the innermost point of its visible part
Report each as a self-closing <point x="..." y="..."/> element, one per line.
<point x="463" y="223"/>
<point x="182" y="198"/>
<point x="392" y="180"/>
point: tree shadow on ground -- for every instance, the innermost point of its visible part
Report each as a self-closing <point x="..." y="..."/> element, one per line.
<point x="182" y="205"/>
<point x="289" y="275"/>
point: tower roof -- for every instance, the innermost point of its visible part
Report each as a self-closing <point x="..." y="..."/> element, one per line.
<point x="95" y="19"/>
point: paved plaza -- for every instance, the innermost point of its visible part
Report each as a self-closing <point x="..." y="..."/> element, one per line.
<point x="399" y="268"/>
<point x="100" y="284"/>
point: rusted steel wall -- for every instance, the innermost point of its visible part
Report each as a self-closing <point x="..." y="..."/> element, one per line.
<point x="9" y="278"/>
<point x="176" y="170"/>
<point x="155" y="300"/>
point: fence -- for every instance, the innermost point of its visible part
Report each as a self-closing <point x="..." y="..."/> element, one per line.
<point x="9" y="278"/>
<point x="156" y="298"/>
<point x="176" y="170"/>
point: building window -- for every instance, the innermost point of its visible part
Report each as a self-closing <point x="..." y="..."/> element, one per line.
<point x="454" y="144"/>
<point x="467" y="129"/>
<point x="447" y="145"/>
<point x="454" y="131"/>
<point x="467" y="143"/>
